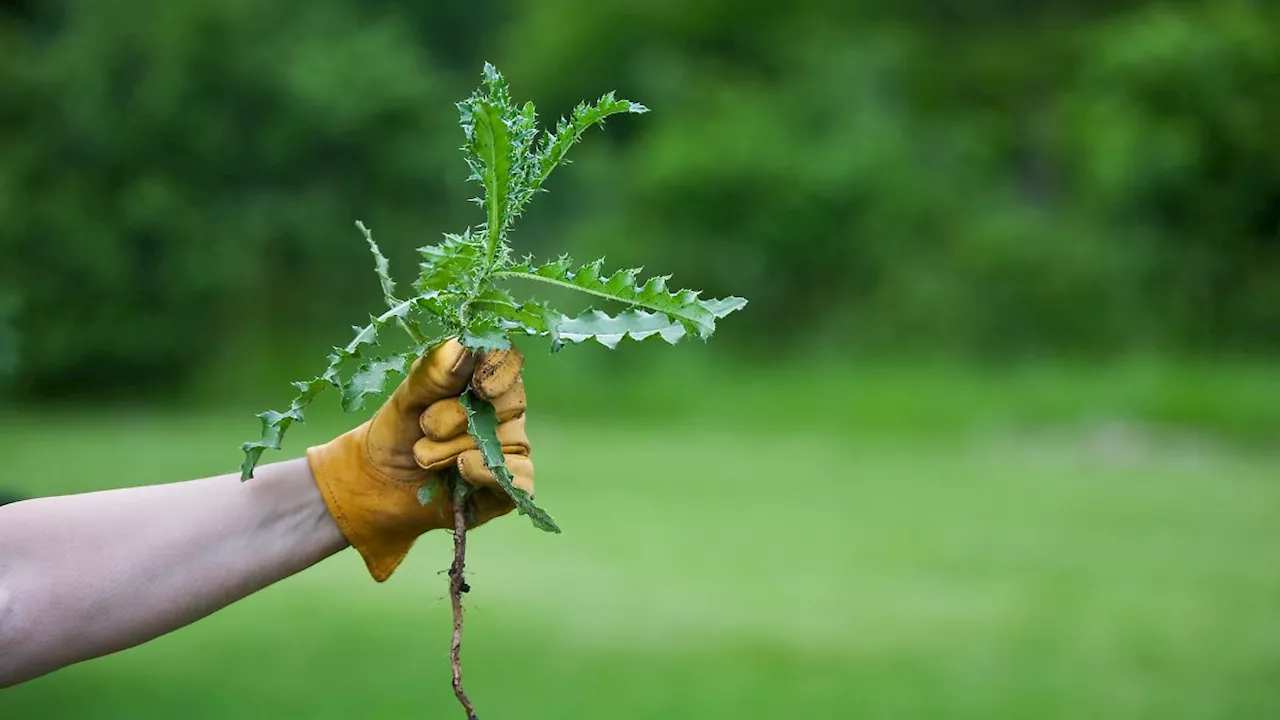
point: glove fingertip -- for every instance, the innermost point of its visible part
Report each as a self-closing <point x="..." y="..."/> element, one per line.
<point x="521" y="466"/>
<point x="472" y="466"/>
<point x="443" y="419"/>
<point x="432" y="456"/>
<point x="442" y="372"/>
<point x="473" y="470"/>
<point x="496" y="372"/>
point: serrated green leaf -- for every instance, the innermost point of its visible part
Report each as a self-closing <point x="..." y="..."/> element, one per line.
<point x="698" y="316"/>
<point x="493" y="143"/>
<point x="371" y="379"/>
<point x="275" y="424"/>
<point x="555" y="144"/>
<point x="485" y="339"/>
<point x="381" y="267"/>
<point x="452" y="265"/>
<point x="531" y="317"/>
<point x="493" y="295"/>
<point x="484" y="117"/>
<point x="723" y="306"/>
<point x="609" y="330"/>
<point x="482" y="424"/>
<point x="368" y="334"/>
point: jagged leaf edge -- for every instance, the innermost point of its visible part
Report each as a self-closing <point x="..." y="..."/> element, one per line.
<point x="381" y="266"/>
<point x="536" y="318"/>
<point x="482" y="424"/>
<point x="370" y="378"/>
<point x="610" y="330"/>
<point x="488" y="151"/>
<point x="275" y="424"/>
<point x="623" y="286"/>
<point x="555" y="144"/>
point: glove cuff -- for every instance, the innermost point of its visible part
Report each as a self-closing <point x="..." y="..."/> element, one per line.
<point x="363" y="505"/>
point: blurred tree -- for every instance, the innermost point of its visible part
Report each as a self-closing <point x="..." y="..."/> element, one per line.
<point x="956" y="175"/>
<point x="1169" y="132"/>
<point x="8" y="341"/>
<point x="172" y="170"/>
<point x="990" y="178"/>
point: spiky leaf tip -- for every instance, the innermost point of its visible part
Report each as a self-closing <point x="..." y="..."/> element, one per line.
<point x="554" y="147"/>
<point x="452" y="265"/>
<point x="381" y="266"/>
<point x="486" y="118"/>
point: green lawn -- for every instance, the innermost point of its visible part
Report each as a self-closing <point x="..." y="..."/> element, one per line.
<point x="739" y="570"/>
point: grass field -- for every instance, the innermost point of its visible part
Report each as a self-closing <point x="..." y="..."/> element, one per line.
<point x="734" y="567"/>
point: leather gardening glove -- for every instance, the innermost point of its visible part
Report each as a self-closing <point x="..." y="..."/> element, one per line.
<point x="369" y="477"/>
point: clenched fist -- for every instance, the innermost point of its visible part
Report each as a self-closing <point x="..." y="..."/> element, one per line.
<point x="369" y="477"/>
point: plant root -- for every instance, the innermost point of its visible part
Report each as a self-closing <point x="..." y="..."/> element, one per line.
<point x="458" y="586"/>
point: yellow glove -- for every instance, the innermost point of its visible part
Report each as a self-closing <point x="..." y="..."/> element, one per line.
<point x="369" y="477"/>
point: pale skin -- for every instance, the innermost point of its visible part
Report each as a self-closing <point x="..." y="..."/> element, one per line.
<point x="82" y="576"/>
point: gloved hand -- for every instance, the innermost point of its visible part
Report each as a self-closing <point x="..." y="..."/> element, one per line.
<point x="369" y="477"/>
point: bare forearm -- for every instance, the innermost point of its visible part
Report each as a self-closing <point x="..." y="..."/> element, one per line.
<point x="85" y="575"/>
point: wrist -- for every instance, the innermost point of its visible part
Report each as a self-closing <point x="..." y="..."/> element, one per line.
<point x="293" y="510"/>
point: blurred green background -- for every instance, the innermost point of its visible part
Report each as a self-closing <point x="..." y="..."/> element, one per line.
<point x="996" y="437"/>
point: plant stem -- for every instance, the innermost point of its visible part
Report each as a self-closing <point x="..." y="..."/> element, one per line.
<point x="457" y="586"/>
<point x="388" y="287"/>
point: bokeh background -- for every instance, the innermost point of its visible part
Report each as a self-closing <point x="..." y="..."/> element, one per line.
<point x="996" y="437"/>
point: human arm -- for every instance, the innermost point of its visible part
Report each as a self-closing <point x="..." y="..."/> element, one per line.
<point x="86" y="575"/>
<point x="83" y="576"/>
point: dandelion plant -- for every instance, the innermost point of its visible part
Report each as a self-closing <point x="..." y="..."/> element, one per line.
<point x="464" y="290"/>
